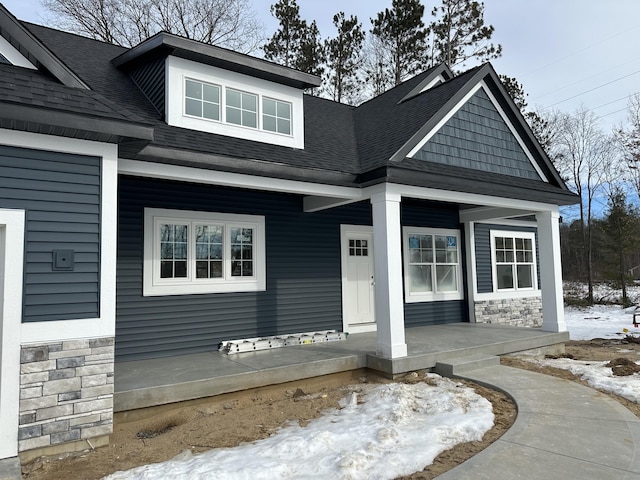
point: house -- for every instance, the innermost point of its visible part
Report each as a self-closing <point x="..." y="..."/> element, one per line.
<point x="158" y="200"/>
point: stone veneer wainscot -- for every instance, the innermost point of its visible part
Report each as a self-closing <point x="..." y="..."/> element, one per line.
<point x="66" y="392"/>
<point x="517" y="312"/>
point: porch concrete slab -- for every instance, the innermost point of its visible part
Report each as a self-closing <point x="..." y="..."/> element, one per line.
<point x="153" y="382"/>
<point x="145" y="383"/>
<point x="563" y="430"/>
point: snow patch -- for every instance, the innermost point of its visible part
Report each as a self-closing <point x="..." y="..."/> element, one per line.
<point x="381" y="432"/>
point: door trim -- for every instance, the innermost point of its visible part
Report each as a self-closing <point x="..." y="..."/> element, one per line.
<point x="12" y="223"/>
<point x="345" y="230"/>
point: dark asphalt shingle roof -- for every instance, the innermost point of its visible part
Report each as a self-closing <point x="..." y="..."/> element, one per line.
<point x="383" y="125"/>
<point x="26" y="87"/>
<point x="338" y="138"/>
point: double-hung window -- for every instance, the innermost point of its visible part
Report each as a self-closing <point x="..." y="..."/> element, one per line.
<point x="432" y="268"/>
<point x="514" y="261"/>
<point x="199" y="252"/>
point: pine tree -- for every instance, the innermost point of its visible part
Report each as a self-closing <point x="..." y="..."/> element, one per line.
<point x="401" y="31"/>
<point x="460" y="34"/>
<point x="311" y="55"/>
<point x="621" y="227"/>
<point x="295" y="44"/>
<point x="284" y="45"/>
<point x="344" y="56"/>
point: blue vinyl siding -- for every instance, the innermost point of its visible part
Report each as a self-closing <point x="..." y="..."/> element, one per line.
<point x="303" y="272"/>
<point x="304" y="289"/>
<point x="61" y="196"/>
<point x="477" y="137"/>
<point x="434" y="215"/>
<point x="484" y="270"/>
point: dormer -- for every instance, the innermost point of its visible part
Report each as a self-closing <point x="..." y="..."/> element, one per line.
<point x="212" y="89"/>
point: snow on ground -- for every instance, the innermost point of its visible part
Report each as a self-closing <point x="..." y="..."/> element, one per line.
<point x="391" y="430"/>
<point x="599" y="321"/>
<point x="599" y="376"/>
<point x="385" y="432"/>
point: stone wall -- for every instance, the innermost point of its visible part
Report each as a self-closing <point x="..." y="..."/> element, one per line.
<point x="66" y="392"/>
<point x="517" y="312"/>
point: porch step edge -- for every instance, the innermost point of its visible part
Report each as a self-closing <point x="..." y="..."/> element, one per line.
<point x="457" y="366"/>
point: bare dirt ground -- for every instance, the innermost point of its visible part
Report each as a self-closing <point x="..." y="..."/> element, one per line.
<point x="157" y="434"/>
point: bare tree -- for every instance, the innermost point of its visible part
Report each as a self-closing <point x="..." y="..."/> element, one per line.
<point x="583" y="154"/>
<point x="227" y="23"/>
<point x="629" y="141"/>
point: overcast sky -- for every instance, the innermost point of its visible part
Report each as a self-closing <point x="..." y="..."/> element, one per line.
<point x="558" y="49"/>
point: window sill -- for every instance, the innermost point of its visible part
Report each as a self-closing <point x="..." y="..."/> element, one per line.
<point x="195" y="289"/>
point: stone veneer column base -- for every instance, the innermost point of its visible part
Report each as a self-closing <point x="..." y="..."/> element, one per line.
<point x="516" y="312"/>
<point x="66" y="395"/>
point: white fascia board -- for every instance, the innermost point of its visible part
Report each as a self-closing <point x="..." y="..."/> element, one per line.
<point x="227" y="179"/>
<point x="421" y="142"/>
<point x="9" y="52"/>
<point x="425" y="193"/>
<point x="179" y="69"/>
<point x="105" y="325"/>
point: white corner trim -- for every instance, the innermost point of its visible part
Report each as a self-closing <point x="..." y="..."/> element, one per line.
<point x="472" y="274"/>
<point x="12" y="222"/>
<point x="9" y="52"/>
<point x="104" y="326"/>
<point x="481" y="85"/>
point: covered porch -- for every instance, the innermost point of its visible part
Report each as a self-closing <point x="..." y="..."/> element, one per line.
<point x="146" y="383"/>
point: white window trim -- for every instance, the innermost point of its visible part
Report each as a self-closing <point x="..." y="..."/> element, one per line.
<point x="494" y="274"/>
<point x="154" y="286"/>
<point x="184" y="100"/>
<point x="262" y="115"/>
<point x="431" y="296"/>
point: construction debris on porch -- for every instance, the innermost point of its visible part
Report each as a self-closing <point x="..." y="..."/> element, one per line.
<point x="265" y="343"/>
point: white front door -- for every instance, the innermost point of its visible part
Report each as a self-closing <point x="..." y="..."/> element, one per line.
<point x="358" y="312"/>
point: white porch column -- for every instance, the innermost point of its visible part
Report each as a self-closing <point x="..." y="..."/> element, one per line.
<point x="389" y="301"/>
<point x="550" y="271"/>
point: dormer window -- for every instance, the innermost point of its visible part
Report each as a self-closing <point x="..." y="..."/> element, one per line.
<point x="210" y="99"/>
<point x="202" y="99"/>
<point x="242" y="108"/>
<point x="276" y="116"/>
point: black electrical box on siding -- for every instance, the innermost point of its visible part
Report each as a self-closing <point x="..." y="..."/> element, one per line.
<point x="61" y="196"/>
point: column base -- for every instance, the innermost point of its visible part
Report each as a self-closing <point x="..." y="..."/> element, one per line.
<point x="391" y="351"/>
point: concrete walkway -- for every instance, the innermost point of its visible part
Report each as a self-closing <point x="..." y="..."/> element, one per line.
<point x="563" y="431"/>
